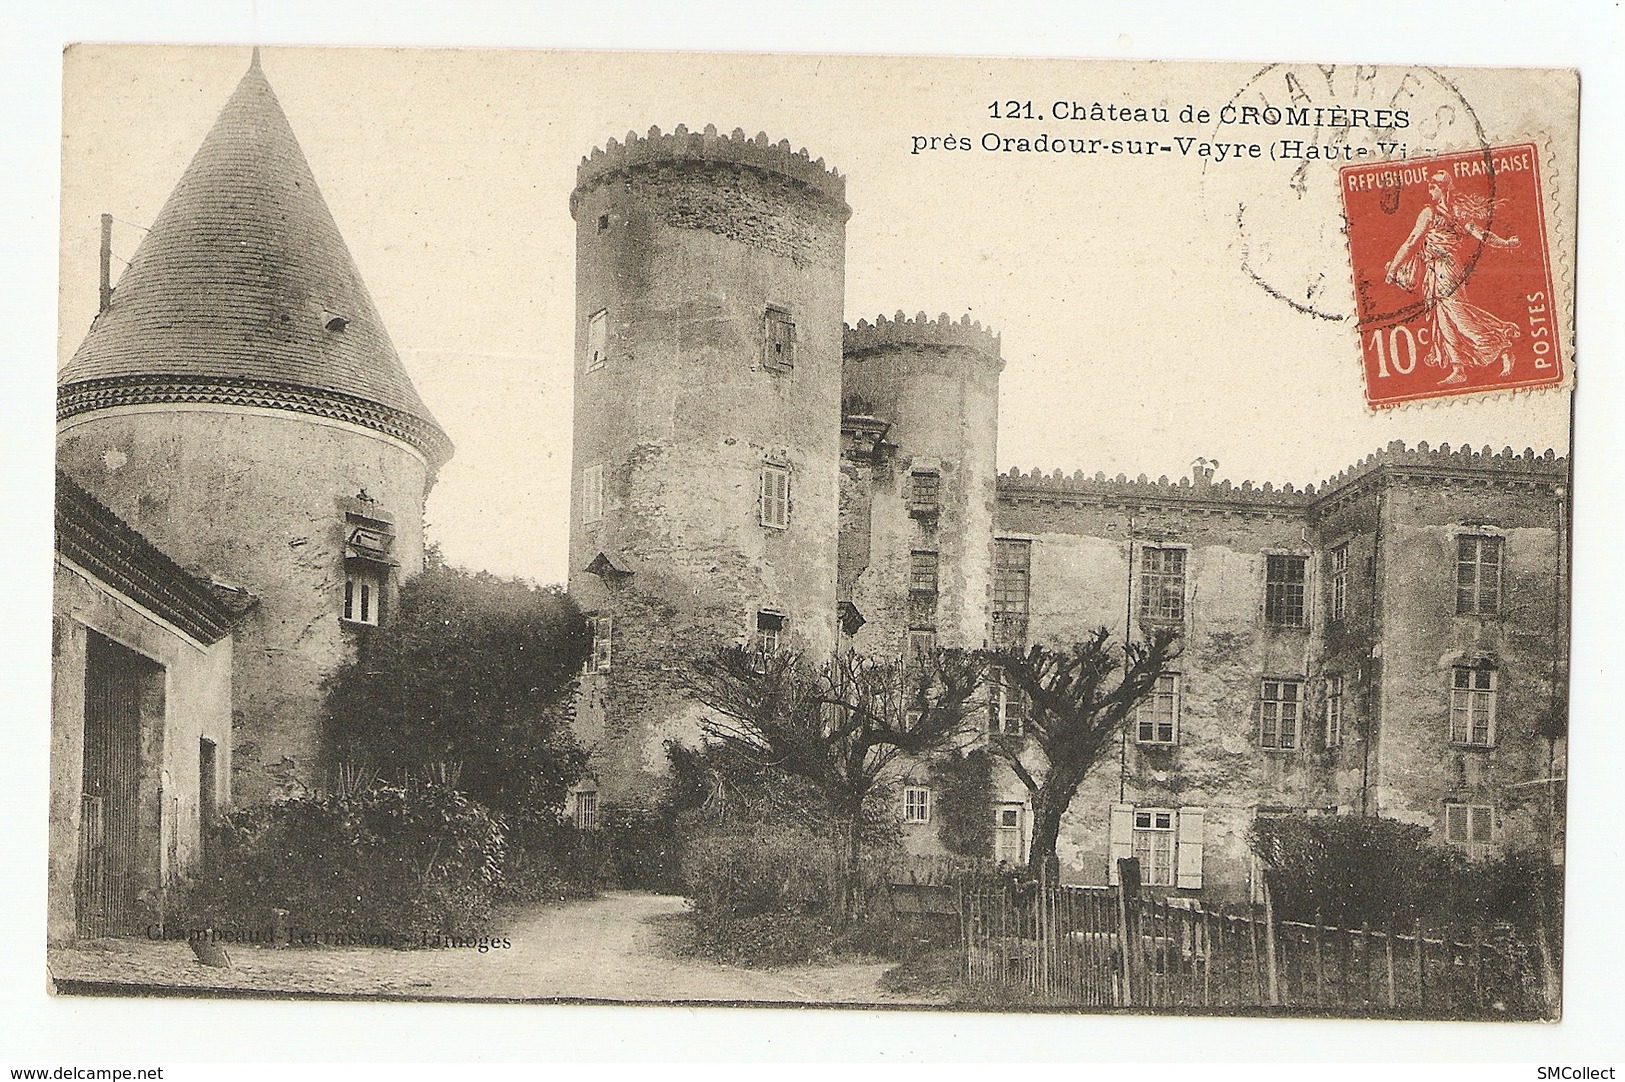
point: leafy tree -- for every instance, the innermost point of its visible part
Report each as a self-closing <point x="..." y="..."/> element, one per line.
<point x="838" y="725"/>
<point x="1080" y="698"/>
<point x="471" y="678"/>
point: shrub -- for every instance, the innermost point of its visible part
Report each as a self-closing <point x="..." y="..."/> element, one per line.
<point x="553" y="861"/>
<point x="758" y="869"/>
<point x="964" y="792"/>
<point x="640" y="847"/>
<point x="474" y="672"/>
<point x="387" y="860"/>
<point x="1350" y="869"/>
<point x="763" y="939"/>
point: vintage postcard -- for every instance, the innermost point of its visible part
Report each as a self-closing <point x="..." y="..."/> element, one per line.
<point x="963" y="533"/>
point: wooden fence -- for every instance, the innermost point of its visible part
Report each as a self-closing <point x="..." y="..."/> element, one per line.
<point x="1032" y="944"/>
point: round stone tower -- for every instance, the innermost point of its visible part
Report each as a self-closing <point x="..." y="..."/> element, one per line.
<point x="238" y="401"/>
<point x="921" y="424"/>
<point x="709" y="285"/>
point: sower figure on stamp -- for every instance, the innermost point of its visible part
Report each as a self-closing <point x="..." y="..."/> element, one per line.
<point x="1434" y="261"/>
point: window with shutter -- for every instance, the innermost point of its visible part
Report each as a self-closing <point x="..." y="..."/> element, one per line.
<point x="778" y="340"/>
<point x="1190" y="845"/>
<point x="1469" y="826"/>
<point x="775" y="496"/>
<point x="1119" y="840"/>
<point x="1009" y="833"/>
<point x="602" y="643"/>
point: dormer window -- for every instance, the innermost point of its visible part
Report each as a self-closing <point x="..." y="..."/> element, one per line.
<point x="369" y="540"/>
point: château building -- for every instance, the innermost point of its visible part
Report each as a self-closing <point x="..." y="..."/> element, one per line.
<point x="746" y="469"/>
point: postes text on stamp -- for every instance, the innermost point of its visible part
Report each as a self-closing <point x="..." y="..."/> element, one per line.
<point x="1452" y="282"/>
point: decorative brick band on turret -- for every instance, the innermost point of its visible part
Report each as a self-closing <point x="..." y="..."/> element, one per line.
<point x="87" y="396"/>
<point x="1546" y="468"/>
<point x="919" y="331"/>
<point x="682" y="145"/>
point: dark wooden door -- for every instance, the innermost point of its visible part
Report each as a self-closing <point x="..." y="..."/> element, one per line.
<point x="109" y="831"/>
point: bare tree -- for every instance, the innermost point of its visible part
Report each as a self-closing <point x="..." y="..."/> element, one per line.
<point x="1080" y="698"/>
<point x="839" y="724"/>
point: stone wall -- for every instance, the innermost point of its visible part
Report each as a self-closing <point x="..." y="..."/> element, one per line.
<point x="189" y="701"/>
<point x="252" y="499"/>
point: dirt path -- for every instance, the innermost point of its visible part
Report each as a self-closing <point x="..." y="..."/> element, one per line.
<point x="609" y="947"/>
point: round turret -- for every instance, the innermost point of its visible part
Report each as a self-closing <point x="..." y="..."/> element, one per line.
<point x="709" y="284"/>
<point x="935" y="385"/>
<point x="239" y="402"/>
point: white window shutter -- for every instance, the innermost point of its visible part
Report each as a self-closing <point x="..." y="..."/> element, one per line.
<point x="1189" y="840"/>
<point x="1120" y="839"/>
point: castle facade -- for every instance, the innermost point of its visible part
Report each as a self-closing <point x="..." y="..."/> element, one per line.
<point x="1391" y="642"/>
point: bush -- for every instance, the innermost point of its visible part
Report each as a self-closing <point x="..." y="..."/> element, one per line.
<point x="388" y="861"/>
<point x="473" y="673"/>
<point x="763" y="939"/>
<point x="640" y="847"/>
<point x="553" y="861"/>
<point x="964" y="792"/>
<point x="1350" y="869"/>
<point x="758" y="869"/>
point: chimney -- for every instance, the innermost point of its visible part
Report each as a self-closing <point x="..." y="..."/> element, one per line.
<point x="107" y="262"/>
<point x="1202" y="471"/>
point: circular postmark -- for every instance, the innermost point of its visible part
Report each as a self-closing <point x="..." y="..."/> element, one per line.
<point x="1317" y="119"/>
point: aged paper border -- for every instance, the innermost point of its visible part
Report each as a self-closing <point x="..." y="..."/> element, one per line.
<point x="1532" y="34"/>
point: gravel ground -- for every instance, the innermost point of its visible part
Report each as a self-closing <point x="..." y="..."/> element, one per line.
<point x="606" y="948"/>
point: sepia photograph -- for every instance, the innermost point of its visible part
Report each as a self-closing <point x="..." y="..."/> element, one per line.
<point x="747" y="529"/>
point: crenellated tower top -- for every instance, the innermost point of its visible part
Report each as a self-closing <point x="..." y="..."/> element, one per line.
<point x="921" y="330"/>
<point x="758" y="154"/>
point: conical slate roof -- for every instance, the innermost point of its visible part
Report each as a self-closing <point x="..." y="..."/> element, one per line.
<point x="244" y="293"/>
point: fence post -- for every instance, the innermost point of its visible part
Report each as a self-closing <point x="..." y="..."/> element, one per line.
<point x="1365" y="964"/>
<point x="1271" y="960"/>
<point x="1388" y="954"/>
<point x="1320" y="963"/>
<point x="1421" y="970"/>
<point x="1551" y="980"/>
<point x="1128" y="924"/>
<point x="1478" y="967"/>
<point x="1207" y="959"/>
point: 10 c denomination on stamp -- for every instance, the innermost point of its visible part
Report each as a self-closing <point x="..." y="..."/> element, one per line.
<point x="1452" y="280"/>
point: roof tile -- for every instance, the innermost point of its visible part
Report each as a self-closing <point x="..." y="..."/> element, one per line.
<point x="241" y="275"/>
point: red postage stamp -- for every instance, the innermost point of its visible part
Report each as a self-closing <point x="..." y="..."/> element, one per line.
<point x="1452" y="282"/>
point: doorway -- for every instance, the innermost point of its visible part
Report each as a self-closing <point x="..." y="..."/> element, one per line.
<point x="107" y="883"/>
